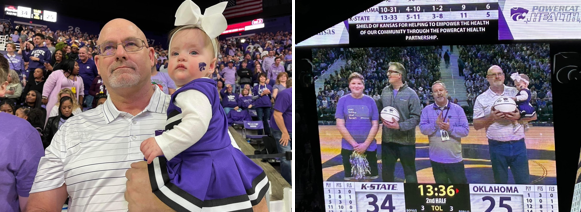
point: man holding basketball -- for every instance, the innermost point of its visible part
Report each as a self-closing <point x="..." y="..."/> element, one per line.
<point x="399" y="137"/>
<point x="507" y="148"/>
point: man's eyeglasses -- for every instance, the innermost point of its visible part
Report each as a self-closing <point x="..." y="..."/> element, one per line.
<point x="130" y="45"/>
<point x="496" y="75"/>
<point x="392" y="72"/>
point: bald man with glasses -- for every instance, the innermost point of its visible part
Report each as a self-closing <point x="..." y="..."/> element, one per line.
<point x="95" y="157"/>
<point x="507" y="147"/>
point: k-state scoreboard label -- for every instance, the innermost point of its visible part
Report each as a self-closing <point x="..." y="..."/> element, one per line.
<point x="364" y="196"/>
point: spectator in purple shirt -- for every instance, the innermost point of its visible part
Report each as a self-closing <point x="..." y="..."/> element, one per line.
<point x="20" y="152"/>
<point x="275" y="69"/>
<point x="281" y="122"/>
<point x="445" y="124"/>
<point x="87" y="71"/>
<point x="229" y="74"/>
<point x="262" y="104"/>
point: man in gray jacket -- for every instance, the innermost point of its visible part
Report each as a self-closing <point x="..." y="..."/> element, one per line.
<point x="399" y="137"/>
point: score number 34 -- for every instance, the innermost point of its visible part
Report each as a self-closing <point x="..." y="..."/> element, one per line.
<point x="387" y="203"/>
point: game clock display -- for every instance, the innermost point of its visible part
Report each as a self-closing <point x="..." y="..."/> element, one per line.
<point x="400" y="197"/>
<point x="437" y="197"/>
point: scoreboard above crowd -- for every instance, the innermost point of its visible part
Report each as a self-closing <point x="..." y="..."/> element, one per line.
<point x="408" y="21"/>
<point x="390" y="11"/>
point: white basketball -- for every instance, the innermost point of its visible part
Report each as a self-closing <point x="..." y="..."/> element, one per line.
<point x="388" y="113"/>
<point x="504" y="104"/>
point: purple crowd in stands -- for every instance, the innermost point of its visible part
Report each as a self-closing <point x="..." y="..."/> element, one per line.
<point x="530" y="59"/>
<point x="423" y="65"/>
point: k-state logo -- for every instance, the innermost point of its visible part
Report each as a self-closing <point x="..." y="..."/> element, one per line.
<point x="517" y="13"/>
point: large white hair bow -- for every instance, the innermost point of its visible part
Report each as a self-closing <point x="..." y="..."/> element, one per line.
<point x="212" y="22"/>
<point x="516" y="77"/>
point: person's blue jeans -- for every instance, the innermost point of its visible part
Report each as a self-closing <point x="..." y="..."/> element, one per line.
<point x="513" y="154"/>
<point x="285" y="165"/>
<point x="263" y="114"/>
<point x="227" y="110"/>
<point x="88" y="99"/>
<point x="406" y="154"/>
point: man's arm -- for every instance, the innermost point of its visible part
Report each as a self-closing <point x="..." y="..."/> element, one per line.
<point x="460" y="127"/>
<point x="47" y="201"/>
<point x="22" y="202"/>
<point x="487" y="120"/>
<point x="426" y="127"/>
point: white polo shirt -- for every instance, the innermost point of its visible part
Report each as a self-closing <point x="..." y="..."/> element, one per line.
<point x="91" y="152"/>
<point x="503" y="130"/>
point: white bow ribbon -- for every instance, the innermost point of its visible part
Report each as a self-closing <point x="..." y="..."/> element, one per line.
<point x="212" y="22"/>
<point x="516" y="77"/>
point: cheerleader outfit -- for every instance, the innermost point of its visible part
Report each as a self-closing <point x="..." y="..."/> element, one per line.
<point x="523" y="101"/>
<point x="210" y="175"/>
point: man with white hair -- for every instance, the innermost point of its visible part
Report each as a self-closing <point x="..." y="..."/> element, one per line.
<point x="507" y="147"/>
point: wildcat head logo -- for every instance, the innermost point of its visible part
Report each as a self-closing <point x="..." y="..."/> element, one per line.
<point x="517" y="13"/>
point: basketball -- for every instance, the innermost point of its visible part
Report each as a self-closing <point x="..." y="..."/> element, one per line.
<point x="504" y="104"/>
<point x="389" y="112"/>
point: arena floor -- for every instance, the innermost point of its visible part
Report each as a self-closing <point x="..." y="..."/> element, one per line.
<point x="540" y="142"/>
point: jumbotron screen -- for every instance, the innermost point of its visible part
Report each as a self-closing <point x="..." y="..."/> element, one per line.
<point x="444" y="152"/>
<point x="448" y="105"/>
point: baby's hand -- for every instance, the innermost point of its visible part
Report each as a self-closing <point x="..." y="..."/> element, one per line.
<point x="150" y="149"/>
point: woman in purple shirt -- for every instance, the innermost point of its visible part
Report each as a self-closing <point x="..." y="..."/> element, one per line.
<point x="262" y="95"/>
<point x="357" y="121"/>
